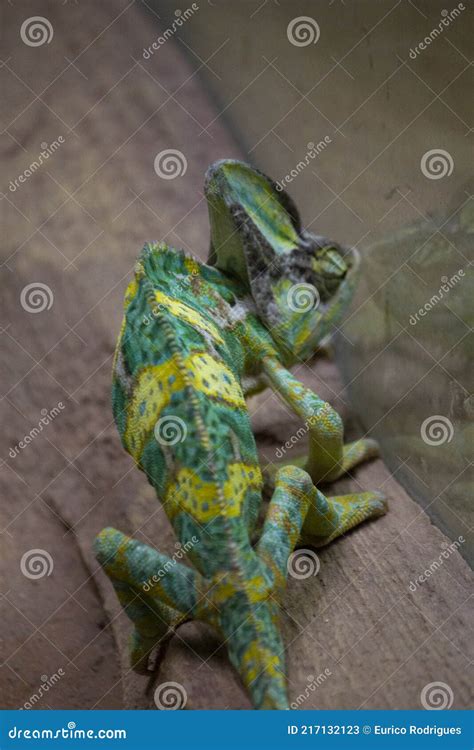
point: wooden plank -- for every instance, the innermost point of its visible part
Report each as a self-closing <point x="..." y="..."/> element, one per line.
<point x="77" y="225"/>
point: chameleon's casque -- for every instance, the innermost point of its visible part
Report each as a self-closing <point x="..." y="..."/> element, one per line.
<point x="195" y="340"/>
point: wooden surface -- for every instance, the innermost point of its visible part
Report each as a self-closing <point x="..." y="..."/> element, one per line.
<point x="77" y="225"/>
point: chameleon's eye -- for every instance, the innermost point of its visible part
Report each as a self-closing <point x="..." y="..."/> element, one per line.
<point x="329" y="264"/>
<point x="330" y="269"/>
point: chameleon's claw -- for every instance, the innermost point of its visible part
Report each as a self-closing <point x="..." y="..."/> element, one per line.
<point x="331" y="517"/>
<point x="161" y="651"/>
<point x="140" y="649"/>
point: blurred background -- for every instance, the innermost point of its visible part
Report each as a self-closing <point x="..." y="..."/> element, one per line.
<point x="111" y="114"/>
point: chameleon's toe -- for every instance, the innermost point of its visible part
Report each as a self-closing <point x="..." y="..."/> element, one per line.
<point x="357" y="452"/>
<point x="331" y="517"/>
<point x="141" y="649"/>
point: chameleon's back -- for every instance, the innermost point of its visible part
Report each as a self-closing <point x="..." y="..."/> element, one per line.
<point x="179" y="406"/>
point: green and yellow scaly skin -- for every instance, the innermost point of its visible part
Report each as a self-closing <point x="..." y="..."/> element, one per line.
<point x="195" y="339"/>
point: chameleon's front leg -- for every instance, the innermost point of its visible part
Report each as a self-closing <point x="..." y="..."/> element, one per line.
<point x="157" y="593"/>
<point x="328" y="458"/>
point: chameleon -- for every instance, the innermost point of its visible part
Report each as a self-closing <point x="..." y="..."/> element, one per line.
<point x="196" y="340"/>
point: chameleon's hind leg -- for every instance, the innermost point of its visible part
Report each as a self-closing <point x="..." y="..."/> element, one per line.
<point x="157" y="593"/>
<point x="328" y="458"/>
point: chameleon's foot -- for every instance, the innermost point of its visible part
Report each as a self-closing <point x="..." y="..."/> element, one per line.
<point x="356" y="453"/>
<point x="328" y="518"/>
<point x="141" y="647"/>
<point x="157" y="593"/>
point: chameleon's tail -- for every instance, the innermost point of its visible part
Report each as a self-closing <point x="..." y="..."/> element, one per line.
<point x="256" y="650"/>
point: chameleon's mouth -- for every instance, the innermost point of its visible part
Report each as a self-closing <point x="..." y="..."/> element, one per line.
<point x="352" y="258"/>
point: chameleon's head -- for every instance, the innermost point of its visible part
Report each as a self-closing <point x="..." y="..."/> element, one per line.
<point x="301" y="283"/>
